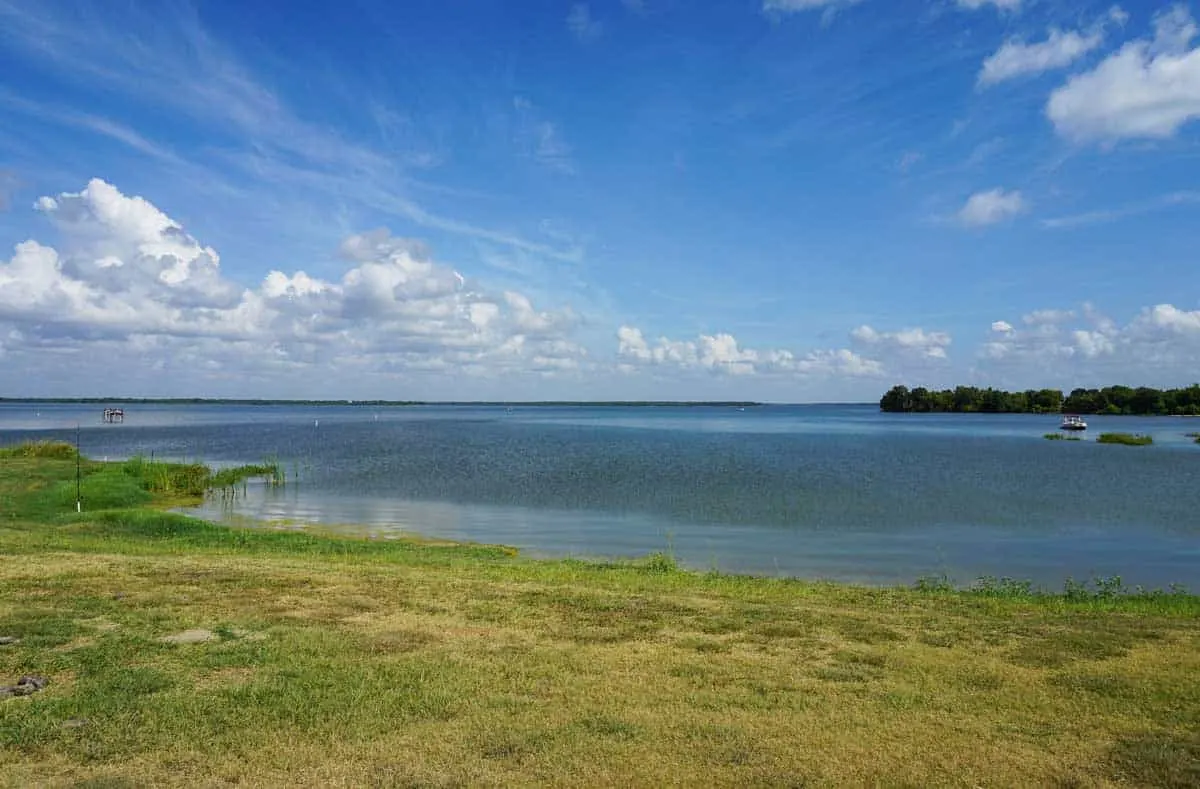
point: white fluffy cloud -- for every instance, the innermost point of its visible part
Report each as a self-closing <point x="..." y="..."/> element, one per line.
<point x="127" y="274"/>
<point x="1149" y="88"/>
<point x="1017" y="58"/>
<point x="906" y="342"/>
<point x="1162" y="339"/>
<point x="990" y="207"/>
<point x="721" y="353"/>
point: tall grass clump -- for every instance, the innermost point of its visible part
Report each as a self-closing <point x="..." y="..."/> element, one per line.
<point x="48" y="450"/>
<point x="169" y="479"/>
<point x="1128" y="439"/>
<point x="271" y="471"/>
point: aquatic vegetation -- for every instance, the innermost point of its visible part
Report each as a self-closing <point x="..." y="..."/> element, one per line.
<point x="132" y="482"/>
<point x="270" y="470"/>
<point x="1128" y="439"/>
<point x="1060" y="437"/>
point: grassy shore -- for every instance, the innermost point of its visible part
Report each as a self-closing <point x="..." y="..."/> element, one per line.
<point x="183" y="653"/>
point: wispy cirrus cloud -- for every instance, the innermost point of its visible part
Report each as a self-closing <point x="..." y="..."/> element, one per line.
<point x="8" y="185"/>
<point x="102" y="126"/>
<point x="1002" y="5"/>
<point x="167" y="58"/>
<point x="794" y="6"/>
<point x="1122" y="212"/>
<point x="582" y="24"/>
<point x="541" y="139"/>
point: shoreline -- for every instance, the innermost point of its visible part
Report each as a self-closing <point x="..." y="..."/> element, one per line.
<point x="171" y="651"/>
<point x="939" y="582"/>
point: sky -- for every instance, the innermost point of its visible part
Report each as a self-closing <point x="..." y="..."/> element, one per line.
<point x="775" y="200"/>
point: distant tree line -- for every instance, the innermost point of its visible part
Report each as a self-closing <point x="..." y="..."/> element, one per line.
<point x="1142" y="401"/>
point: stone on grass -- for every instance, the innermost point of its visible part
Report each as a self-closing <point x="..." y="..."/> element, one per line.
<point x="26" y="686"/>
<point x="9" y="640"/>
<point x="197" y="636"/>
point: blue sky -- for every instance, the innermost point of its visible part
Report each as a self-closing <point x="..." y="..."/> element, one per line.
<point x="795" y="200"/>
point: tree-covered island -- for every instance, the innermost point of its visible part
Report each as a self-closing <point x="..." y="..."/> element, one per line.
<point x="1121" y="400"/>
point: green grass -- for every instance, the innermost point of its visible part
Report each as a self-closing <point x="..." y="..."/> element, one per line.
<point x="1059" y="437"/>
<point x="348" y="661"/>
<point x="49" y="450"/>
<point x="1128" y="439"/>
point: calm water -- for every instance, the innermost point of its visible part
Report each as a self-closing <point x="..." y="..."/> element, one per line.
<point x="839" y="492"/>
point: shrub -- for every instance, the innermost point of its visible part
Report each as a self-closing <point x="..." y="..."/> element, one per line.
<point x="50" y="450"/>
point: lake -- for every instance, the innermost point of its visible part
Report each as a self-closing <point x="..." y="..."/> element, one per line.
<point x="840" y="492"/>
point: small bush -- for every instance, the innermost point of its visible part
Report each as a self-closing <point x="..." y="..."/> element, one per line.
<point x="660" y="563"/>
<point x="991" y="586"/>
<point x="1128" y="439"/>
<point x="50" y="450"/>
<point x="934" y="583"/>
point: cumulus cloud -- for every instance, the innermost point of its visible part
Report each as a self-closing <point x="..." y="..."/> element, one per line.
<point x="1016" y="58"/>
<point x="127" y="273"/>
<point x="721" y="353"/>
<point x="990" y="207"/>
<point x="1149" y="88"/>
<point x="1161" y="339"/>
<point x="908" y="342"/>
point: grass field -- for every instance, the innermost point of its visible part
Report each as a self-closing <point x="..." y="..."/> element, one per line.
<point x="343" y="662"/>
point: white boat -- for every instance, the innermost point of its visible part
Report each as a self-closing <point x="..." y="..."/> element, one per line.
<point x="1073" y="422"/>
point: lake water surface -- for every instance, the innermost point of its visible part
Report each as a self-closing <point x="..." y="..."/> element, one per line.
<point x="837" y="492"/>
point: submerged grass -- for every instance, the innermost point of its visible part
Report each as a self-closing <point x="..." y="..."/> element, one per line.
<point x="342" y="661"/>
<point x="1059" y="437"/>
<point x="1128" y="439"/>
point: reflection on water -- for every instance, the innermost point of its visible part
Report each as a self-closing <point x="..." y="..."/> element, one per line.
<point x="824" y="491"/>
